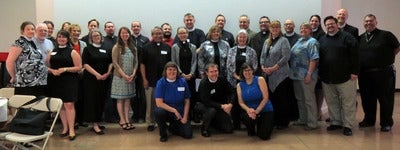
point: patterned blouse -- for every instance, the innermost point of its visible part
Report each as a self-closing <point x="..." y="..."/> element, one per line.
<point x="251" y="58"/>
<point x="29" y="66"/>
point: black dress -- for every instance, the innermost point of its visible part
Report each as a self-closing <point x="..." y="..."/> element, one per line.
<point x="66" y="85"/>
<point x="95" y="93"/>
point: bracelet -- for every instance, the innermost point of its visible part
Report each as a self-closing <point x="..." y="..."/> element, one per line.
<point x="65" y="69"/>
<point x="309" y="72"/>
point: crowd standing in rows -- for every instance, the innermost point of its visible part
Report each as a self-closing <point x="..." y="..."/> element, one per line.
<point x="264" y="80"/>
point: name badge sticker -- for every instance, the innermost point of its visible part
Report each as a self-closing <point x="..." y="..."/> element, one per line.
<point x="164" y="52"/>
<point x="212" y="91"/>
<point x="102" y="51"/>
<point x="53" y="53"/>
<point x="181" y="89"/>
<point x="244" y="54"/>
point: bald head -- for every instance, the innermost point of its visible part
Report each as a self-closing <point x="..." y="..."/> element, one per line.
<point x="289" y="26"/>
<point x="41" y="31"/>
<point x="342" y="15"/>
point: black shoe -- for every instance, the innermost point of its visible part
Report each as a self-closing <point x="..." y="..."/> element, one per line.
<point x="163" y="139"/>
<point x="281" y="127"/>
<point x="150" y="128"/>
<point x="386" y="129"/>
<point x="82" y="124"/>
<point x="347" y="131"/>
<point x="328" y="120"/>
<point x="251" y="133"/>
<point x="71" y="138"/>
<point x="64" y="134"/>
<point x="101" y="132"/>
<point x="364" y="124"/>
<point x="205" y="133"/>
<point x="334" y="127"/>
<point x="102" y="127"/>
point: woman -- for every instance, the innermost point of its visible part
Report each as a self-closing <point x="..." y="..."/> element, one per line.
<point x="317" y="32"/>
<point x="215" y="50"/>
<point x="78" y="45"/>
<point x="98" y="65"/>
<point x="252" y="94"/>
<point x="274" y="64"/>
<point x="239" y="54"/>
<point x="172" y="100"/>
<point x="25" y="65"/>
<point x="183" y="53"/>
<point x="65" y="26"/>
<point x="64" y="64"/>
<point x="125" y="63"/>
<point x="303" y="62"/>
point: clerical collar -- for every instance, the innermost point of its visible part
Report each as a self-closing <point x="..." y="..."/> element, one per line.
<point x="264" y="32"/>
<point x="170" y="81"/>
<point x="289" y="34"/>
<point x="314" y="30"/>
<point x="342" y="26"/>
<point x="191" y="30"/>
<point x="212" y="80"/>
<point x="241" y="47"/>
<point x="96" y="45"/>
<point x="214" y="41"/>
<point x="333" y="34"/>
<point x="62" y="46"/>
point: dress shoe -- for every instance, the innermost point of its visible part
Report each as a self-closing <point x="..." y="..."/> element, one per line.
<point x="64" y="134"/>
<point x="102" y="127"/>
<point x="364" y="124"/>
<point x="163" y="139"/>
<point x="150" y="128"/>
<point x="334" y="127"/>
<point x="386" y="129"/>
<point x="347" y="131"/>
<point x="101" y="132"/>
<point x="72" y="137"/>
<point x="205" y="133"/>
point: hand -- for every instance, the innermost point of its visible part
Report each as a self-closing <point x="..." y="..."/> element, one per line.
<point x="145" y="84"/>
<point x="252" y="113"/>
<point x="177" y="115"/>
<point x="127" y="78"/>
<point x="227" y="108"/>
<point x="307" y="79"/>
<point x="12" y="80"/>
<point x="354" y="77"/>
<point x="184" y="120"/>
<point x="268" y="70"/>
<point x="99" y="77"/>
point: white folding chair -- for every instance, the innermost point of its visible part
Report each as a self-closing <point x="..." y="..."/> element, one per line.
<point x="17" y="138"/>
<point x="5" y="93"/>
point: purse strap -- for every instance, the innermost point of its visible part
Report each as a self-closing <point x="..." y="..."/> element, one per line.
<point x="38" y="98"/>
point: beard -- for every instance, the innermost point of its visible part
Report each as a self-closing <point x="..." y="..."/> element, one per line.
<point x="167" y="35"/>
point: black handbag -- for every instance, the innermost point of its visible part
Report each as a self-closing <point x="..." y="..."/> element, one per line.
<point x="30" y="121"/>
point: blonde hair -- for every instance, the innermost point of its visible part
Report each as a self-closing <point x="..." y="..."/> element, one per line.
<point x="274" y="23"/>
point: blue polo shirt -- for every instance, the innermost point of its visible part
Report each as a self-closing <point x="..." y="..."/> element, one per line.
<point x="173" y="93"/>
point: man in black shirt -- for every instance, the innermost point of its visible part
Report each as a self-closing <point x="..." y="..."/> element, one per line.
<point x="196" y="36"/>
<point x="155" y="55"/>
<point x="338" y="70"/>
<point x="342" y="15"/>
<point x="290" y="34"/>
<point x="216" y="95"/>
<point x="109" y="39"/>
<point x="258" y="41"/>
<point x="378" y="49"/>
<point x="225" y="35"/>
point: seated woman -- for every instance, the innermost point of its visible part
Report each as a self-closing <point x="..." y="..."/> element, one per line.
<point x="252" y="94"/>
<point x="172" y="96"/>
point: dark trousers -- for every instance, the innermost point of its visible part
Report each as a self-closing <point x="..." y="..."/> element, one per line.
<point x="110" y="106"/>
<point x="216" y="118"/>
<point x="263" y="122"/>
<point x="280" y="101"/>
<point x="292" y="102"/>
<point x="175" y="126"/>
<point x="378" y="85"/>
<point x="139" y="102"/>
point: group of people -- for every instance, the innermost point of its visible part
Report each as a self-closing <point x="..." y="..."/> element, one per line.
<point x="264" y="80"/>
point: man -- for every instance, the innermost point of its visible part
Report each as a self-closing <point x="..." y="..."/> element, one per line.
<point x="50" y="27"/>
<point x="378" y="49"/>
<point x="225" y="35"/>
<point x="258" y="41"/>
<point x="92" y="24"/>
<point x="109" y="39"/>
<point x="216" y="95"/>
<point x="290" y="34"/>
<point x="139" y="39"/>
<point x="167" y="34"/>
<point x="342" y="15"/>
<point x="196" y="36"/>
<point x="244" y="23"/>
<point x="43" y="44"/>
<point x="338" y="70"/>
<point x="155" y="55"/>
<point x="139" y="105"/>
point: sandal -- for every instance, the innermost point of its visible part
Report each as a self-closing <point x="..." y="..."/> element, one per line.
<point x="130" y="126"/>
<point x="124" y="126"/>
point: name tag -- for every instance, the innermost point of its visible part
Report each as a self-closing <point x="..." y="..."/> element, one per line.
<point x="244" y="54"/>
<point x="212" y="91"/>
<point x="102" y="51"/>
<point x="164" y="52"/>
<point x="53" y="53"/>
<point x="181" y="89"/>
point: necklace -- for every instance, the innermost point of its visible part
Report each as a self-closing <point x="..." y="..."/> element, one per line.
<point x="370" y="37"/>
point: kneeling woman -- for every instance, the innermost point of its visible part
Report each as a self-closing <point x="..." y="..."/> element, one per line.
<point x="172" y="100"/>
<point x="252" y="94"/>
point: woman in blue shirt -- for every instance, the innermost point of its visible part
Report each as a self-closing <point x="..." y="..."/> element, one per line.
<point x="173" y="101"/>
<point x="252" y="94"/>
